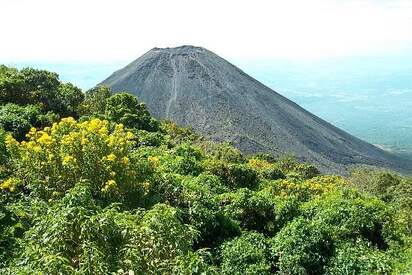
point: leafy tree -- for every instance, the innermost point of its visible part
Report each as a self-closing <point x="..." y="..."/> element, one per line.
<point x="43" y="89"/>
<point x="95" y="101"/>
<point x="18" y="119"/>
<point x="124" y="108"/>
<point x="29" y="87"/>
<point x="71" y="98"/>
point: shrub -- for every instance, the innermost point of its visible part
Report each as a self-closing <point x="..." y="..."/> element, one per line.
<point x="147" y="138"/>
<point x="223" y="151"/>
<point x="289" y="165"/>
<point x="402" y="262"/>
<point x="389" y="187"/>
<point x="160" y="239"/>
<point x="351" y="216"/>
<point x="212" y="182"/>
<point x="304" y="189"/>
<point x="3" y="149"/>
<point x="182" y="159"/>
<point x="76" y="235"/>
<point x="9" y="230"/>
<point x="194" y="263"/>
<point x="358" y="258"/>
<point x="265" y="169"/>
<point x="380" y="183"/>
<point x="402" y="203"/>
<point x="194" y="196"/>
<point x="247" y="254"/>
<point x="301" y="247"/>
<point x="188" y="160"/>
<point x="252" y="210"/>
<point x="233" y="175"/>
<point x="176" y="134"/>
<point x="198" y="205"/>
<point x="53" y="160"/>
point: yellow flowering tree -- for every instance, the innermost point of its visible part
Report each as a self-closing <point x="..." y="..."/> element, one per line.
<point x="265" y="169"/>
<point x="54" y="159"/>
<point x="305" y="189"/>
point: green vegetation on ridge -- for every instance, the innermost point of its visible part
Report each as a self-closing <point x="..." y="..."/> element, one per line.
<point x="92" y="184"/>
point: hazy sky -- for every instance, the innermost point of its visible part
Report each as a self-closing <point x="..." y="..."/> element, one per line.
<point x="117" y="30"/>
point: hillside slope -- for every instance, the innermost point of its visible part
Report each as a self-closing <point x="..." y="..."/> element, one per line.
<point x="194" y="87"/>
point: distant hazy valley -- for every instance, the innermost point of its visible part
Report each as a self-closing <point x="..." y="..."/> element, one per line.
<point x="370" y="98"/>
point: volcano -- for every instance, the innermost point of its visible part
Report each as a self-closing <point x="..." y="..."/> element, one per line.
<point x="194" y="87"/>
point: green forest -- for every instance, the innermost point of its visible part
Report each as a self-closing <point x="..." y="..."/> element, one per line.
<point x="90" y="183"/>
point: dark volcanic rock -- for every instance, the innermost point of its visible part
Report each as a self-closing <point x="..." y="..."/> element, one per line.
<point x="194" y="87"/>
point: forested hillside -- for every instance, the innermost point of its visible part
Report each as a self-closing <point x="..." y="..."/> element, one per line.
<point x="90" y="183"/>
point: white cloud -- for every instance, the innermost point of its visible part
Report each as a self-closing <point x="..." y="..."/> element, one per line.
<point x="112" y="30"/>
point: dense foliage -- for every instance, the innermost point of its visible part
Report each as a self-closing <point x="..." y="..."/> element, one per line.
<point x="92" y="184"/>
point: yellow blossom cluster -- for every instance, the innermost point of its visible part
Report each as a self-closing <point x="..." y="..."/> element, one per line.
<point x="71" y="134"/>
<point x="109" y="185"/>
<point x="45" y="139"/>
<point x="125" y="161"/>
<point x="259" y="164"/>
<point x="70" y="138"/>
<point x="68" y="160"/>
<point x="57" y="157"/>
<point x="10" y="141"/>
<point x="111" y="157"/>
<point x="328" y="182"/>
<point x="10" y="184"/>
<point x="314" y="186"/>
<point x="42" y="137"/>
<point x="153" y="160"/>
<point x="146" y="186"/>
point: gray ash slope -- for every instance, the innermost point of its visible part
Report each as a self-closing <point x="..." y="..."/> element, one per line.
<point x="194" y="87"/>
